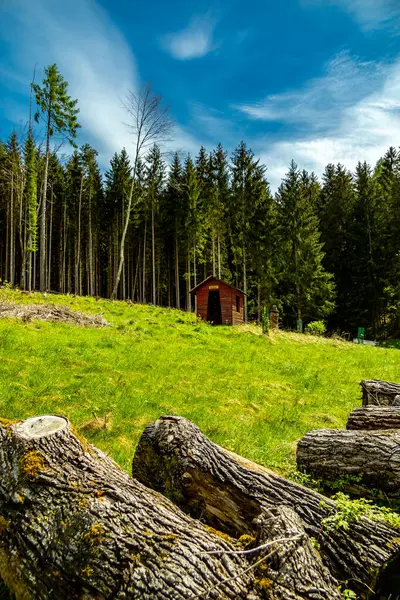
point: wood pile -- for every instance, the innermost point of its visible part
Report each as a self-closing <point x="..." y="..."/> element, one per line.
<point x="194" y="522"/>
<point x="366" y="456"/>
<point x="50" y="312"/>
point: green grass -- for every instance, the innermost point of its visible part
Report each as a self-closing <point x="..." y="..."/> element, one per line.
<point x="253" y="394"/>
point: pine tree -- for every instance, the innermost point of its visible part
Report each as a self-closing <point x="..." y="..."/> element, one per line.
<point x="307" y="288"/>
<point x="173" y="214"/>
<point x="61" y="117"/>
<point x="191" y="195"/>
<point x="248" y="192"/>
<point x="336" y="214"/>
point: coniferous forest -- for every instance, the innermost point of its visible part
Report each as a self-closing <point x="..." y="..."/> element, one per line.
<point x="154" y="224"/>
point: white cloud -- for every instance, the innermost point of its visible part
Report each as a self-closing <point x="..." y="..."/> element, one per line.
<point x="322" y="100"/>
<point x="345" y="132"/>
<point x="194" y="41"/>
<point x="93" y="57"/>
<point x="370" y="14"/>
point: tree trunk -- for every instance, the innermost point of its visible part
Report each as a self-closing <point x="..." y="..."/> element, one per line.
<point x="229" y="492"/>
<point x="244" y="284"/>
<point x="380" y="392"/>
<point x="78" y="241"/>
<point x="42" y="259"/>
<point x="153" y="253"/>
<point x="177" y="290"/>
<point x="50" y="240"/>
<point x="144" y="264"/>
<point x="373" y="457"/>
<point x="91" y="270"/>
<point x="374" y="417"/>
<point x="74" y="525"/>
<point x="12" y="231"/>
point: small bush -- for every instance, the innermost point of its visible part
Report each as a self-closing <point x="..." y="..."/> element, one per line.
<point x="316" y="328"/>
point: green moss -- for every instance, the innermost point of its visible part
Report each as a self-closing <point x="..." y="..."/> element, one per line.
<point x="94" y="535"/>
<point x="32" y="464"/>
<point x="220" y="534"/>
<point x="4" y="524"/>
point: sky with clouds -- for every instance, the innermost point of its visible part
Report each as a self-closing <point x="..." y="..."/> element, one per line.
<point x="313" y="80"/>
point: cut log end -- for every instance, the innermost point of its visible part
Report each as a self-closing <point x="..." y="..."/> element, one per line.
<point x="39" y="427"/>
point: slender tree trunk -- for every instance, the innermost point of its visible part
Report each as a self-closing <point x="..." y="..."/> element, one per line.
<point x="144" y="264"/>
<point x="259" y="302"/>
<point x="50" y="240"/>
<point x="177" y="287"/>
<point x="78" y="241"/>
<point x="91" y="274"/>
<point x="43" y="224"/>
<point x="153" y="252"/>
<point x="12" y="236"/>
<point x="213" y="254"/>
<point x="244" y="284"/>
<point x="64" y="255"/>
<point x="219" y="257"/>
<point x="188" y="285"/>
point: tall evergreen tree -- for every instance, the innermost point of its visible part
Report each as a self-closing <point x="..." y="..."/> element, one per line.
<point x="60" y="115"/>
<point x="307" y="288"/>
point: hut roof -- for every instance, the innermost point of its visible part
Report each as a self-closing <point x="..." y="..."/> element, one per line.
<point x="221" y="281"/>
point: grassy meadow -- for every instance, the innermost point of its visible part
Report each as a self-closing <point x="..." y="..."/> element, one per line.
<point x="253" y="394"/>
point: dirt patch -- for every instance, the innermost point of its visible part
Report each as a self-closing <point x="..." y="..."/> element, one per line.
<point x="50" y="312"/>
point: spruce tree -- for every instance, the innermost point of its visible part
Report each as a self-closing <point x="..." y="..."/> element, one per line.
<point x="60" y="115"/>
<point x="308" y="290"/>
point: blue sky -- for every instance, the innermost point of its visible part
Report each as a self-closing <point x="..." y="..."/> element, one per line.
<point x="313" y="80"/>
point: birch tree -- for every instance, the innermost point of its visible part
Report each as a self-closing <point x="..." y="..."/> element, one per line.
<point x="150" y="124"/>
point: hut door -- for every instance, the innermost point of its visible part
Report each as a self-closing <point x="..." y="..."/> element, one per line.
<point x="214" y="308"/>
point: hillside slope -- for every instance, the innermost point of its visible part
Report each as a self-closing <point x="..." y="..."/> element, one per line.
<point x="253" y="394"/>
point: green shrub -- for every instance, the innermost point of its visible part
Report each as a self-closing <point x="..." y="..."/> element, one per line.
<point x="316" y="328"/>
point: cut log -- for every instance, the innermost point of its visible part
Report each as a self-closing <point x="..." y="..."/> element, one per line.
<point x="73" y="525"/>
<point x="380" y="393"/>
<point x="373" y="456"/>
<point x="229" y="492"/>
<point x="374" y="417"/>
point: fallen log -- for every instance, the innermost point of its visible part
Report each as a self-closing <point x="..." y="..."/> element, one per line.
<point x="374" y="417"/>
<point x="229" y="492"/>
<point x="380" y="393"/>
<point x="73" y="525"/>
<point x="373" y="456"/>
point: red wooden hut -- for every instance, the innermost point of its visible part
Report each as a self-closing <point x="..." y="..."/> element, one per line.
<point x="219" y="302"/>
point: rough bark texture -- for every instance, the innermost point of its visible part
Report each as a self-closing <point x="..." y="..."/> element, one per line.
<point x="374" y="455"/>
<point x="374" y="417"/>
<point x="74" y="526"/>
<point x="380" y="393"/>
<point x="225" y="490"/>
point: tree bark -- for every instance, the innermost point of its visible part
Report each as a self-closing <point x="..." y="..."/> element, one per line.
<point x="373" y="456"/>
<point x="229" y="492"/>
<point x="74" y="525"/>
<point x="374" y="417"/>
<point x="383" y="393"/>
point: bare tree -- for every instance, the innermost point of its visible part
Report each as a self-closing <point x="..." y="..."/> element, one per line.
<point x="149" y="124"/>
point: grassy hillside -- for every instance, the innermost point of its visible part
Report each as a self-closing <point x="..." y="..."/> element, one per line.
<point x="252" y="394"/>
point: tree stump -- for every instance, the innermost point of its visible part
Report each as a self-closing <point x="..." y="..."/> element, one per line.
<point x="229" y="492"/>
<point x="73" y="525"/>
<point x="374" y="417"/>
